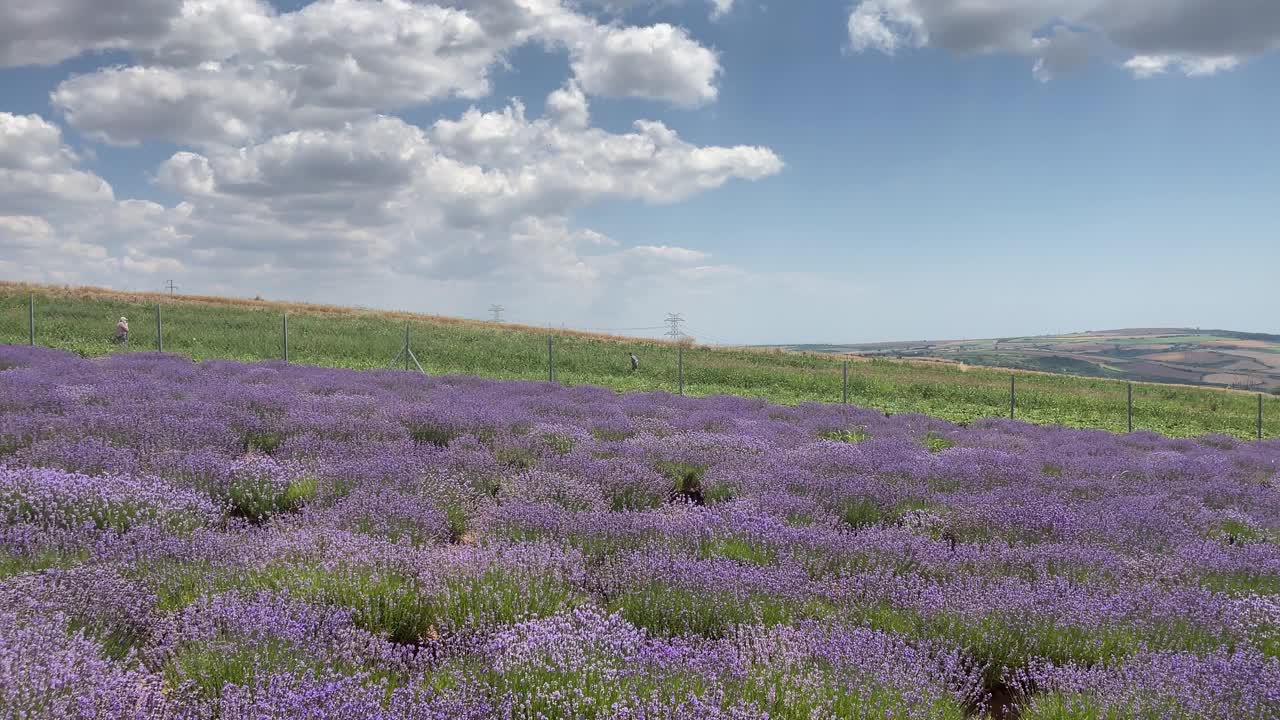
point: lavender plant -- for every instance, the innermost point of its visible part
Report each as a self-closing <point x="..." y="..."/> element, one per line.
<point x="222" y="540"/>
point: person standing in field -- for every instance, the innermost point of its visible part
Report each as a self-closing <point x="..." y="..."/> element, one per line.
<point x="122" y="330"/>
<point x="635" y="363"/>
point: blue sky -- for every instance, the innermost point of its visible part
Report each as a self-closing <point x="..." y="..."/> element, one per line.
<point x="823" y="172"/>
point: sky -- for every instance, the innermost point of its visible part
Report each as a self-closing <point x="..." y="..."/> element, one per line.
<point x="776" y="172"/>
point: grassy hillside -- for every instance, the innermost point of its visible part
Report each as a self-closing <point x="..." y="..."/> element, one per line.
<point x="1223" y="358"/>
<point x="81" y="320"/>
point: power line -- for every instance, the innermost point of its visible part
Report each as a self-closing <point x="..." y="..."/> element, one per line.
<point x="701" y="336"/>
<point x="497" y="311"/>
<point x="170" y="287"/>
<point x="712" y="338"/>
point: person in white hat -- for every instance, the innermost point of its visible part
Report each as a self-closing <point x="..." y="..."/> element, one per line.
<point x="122" y="330"/>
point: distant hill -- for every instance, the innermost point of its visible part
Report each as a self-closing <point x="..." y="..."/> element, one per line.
<point x="1222" y="358"/>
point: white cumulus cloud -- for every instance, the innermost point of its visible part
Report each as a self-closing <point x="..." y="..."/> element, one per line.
<point x="718" y="8"/>
<point x="59" y="221"/>
<point x="1192" y="36"/>
<point x="38" y="172"/>
<point x="657" y="61"/>
<point x="290" y="156"/>
<point x="1145" y="66"/>
<point x="479" y="195"/>
<point x="235" y="71"/>
<point x="44" y="32"/>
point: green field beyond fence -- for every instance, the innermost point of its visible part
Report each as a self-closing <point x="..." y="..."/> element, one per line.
<point x="82" y="321"/>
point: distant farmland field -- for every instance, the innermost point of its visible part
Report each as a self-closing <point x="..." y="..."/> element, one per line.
<point x="1248" y="361"/>
<point x="81" y="320"/>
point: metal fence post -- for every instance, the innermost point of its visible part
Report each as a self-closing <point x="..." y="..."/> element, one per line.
<point x="846" y="383"/>
<point x="551" y="368"/>
<point x="286" y="338"/>
<point x="1013" y="395"/>
<point x="31" y="319"/>
<point x="680" y="366"/>
<point x="1259" y="416"/>
<point x="1130" y="407"/>
<point x="407" y="351"/>
<point x="159" y="330"/>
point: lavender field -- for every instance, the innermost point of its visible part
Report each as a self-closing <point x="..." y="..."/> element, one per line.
<point x="224" y="540"/>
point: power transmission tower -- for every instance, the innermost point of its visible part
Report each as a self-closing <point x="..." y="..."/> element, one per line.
<point x="674" y="320"/>
<point x="497" y="311"/>
<point x="170" y="287"/>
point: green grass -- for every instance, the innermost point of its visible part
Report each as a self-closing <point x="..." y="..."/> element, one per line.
<point x="598" y="546"/>
<point x="1241" y="583"/>
<point x="83" y="320"/>
<point x="599" y="685"/>
<point x="936" y="443"/>
<point x="599" y="688"/>
<point x="1078" y="706"/>
<point x="207" y="667"/>
<point x="853" y="437"/>
<point x="1237" y="532"/>
<point x="382" y="601"/>
<point x="685" y="478"/>
<point x="12" y="563"/>
<point x="117" y="515"/>
<point x="258" y="500"/>
<point x="671" y="611"/>
<point x="737" y="549"/>
<point x="1004" y="642"/>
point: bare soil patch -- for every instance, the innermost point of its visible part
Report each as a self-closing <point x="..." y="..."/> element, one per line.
<point x="1164" y="372"/>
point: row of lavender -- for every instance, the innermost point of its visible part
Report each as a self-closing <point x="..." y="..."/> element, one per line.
<point x="209" y="540"/>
